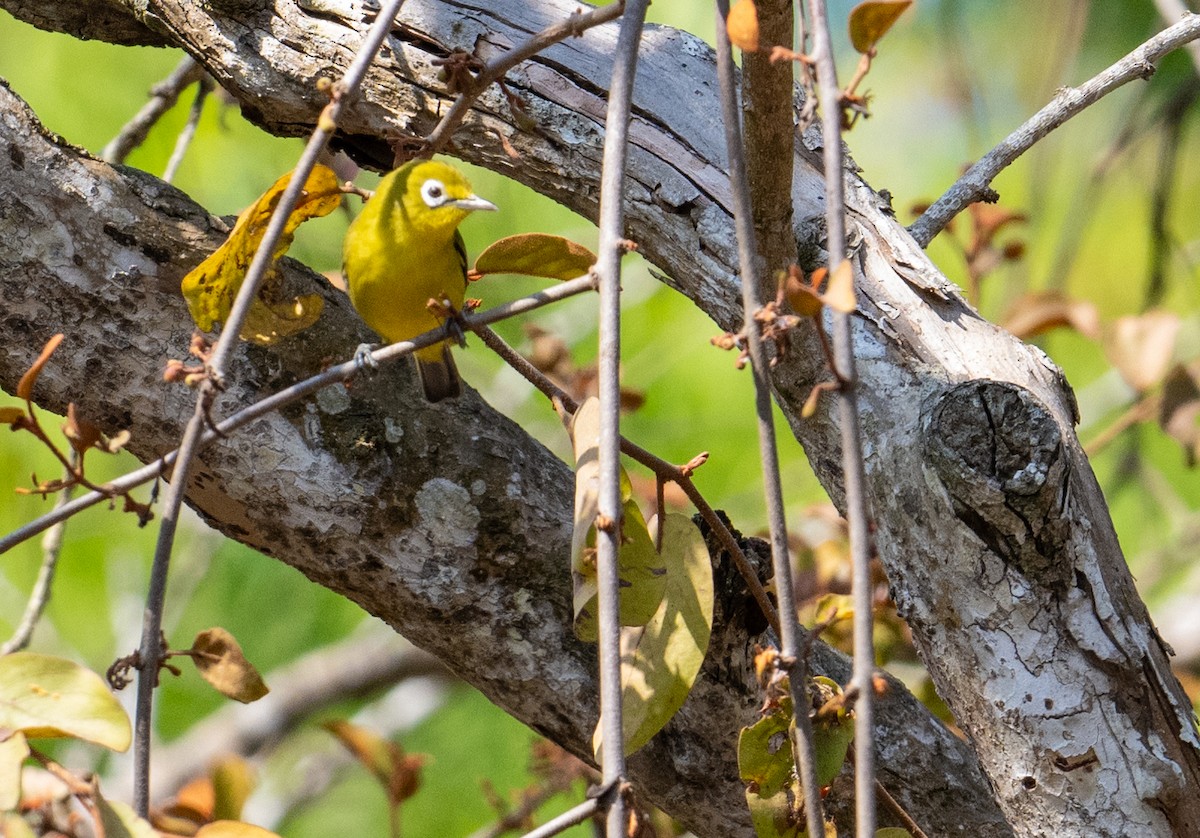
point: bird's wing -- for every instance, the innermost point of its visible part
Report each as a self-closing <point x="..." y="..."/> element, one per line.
<point x="461" y="249"/>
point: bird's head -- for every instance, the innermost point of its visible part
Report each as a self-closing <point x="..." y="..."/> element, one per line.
<point x="437" y="196"/>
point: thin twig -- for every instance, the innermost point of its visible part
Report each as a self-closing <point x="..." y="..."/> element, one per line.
<point x="332" y="375"/>
<point x="184" y="140"/>
<point x="494" y="70"/>
<point x="663" y="470"/>
<point x="611" y="248"/>
<point x="1140" y="411"/>
<point x="1171" y="11"/>
<point x="566" y="820"/>
<point x="162" y="98"/>
<point x="796" y="665"/>
<point x="975" y="185"/>
<point x="853" y="471"/>
<point x="39" y="597"/>
<point x="150" y="649"/>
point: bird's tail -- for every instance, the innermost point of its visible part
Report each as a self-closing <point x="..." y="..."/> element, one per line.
<point x="439" y="376"/>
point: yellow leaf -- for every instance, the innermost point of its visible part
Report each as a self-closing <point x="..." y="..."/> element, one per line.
<point x="220" y="661"/>
<point x="642" y="574"/>
<point x="13" y="751"/>
<point x="870" y="21"/>
<point x="25" y="385"/>
<point x="536" y="254"/>
<point x="839" y="295"/>
<point x="742" y="25"/>
<point x="660" y="661"/>
<point x="211" y="287"/>
<point x="45" y="696"/>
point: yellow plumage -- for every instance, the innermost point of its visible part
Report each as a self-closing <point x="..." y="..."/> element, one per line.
<point x="403" y="250"/>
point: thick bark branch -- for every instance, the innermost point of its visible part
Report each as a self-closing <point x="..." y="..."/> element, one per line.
<point x="999" y="547"/>
<point x="452" y="525"/>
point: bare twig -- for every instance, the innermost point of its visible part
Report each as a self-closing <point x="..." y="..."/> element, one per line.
<point x="152" y="624"/>
<point x="494" y="70"/>
<point x="203" y="88"/>
<point x="1171" y="11"/>
<point x="611" y="248"/>
<point x="853" y="471"/>
<point x="162" y="98"/>
<point x="566" y="820"/>
<point x="975" y="185"/>
<point x="39" y="597"/>
<point x="749" y="260"/>
<point x="300" y="390"/>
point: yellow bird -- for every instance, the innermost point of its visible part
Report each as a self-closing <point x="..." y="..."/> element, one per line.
<point x="402" y="251"/>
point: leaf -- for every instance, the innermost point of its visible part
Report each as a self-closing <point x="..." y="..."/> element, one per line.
<point x="120" y="821"/>
<point x="13" y="825"/>
<point x="25" y="385"/>
<point x="233" y="781"/>
<point x="399" y="773"/>
<point x="839" y="294"/>
<point x="766" y="767"/>
<point x="1141" y="347"/>
<point x="871" y="20"/>
<point x="13" y="751"/>
<point x="1179" y="411"/>
<point x="211" y="287"/>
<point x="81" y="433"/>
<point x="893" y="832"/>
<point x="220" y="661"/>
<point x="9" y="415"/>
<point x="45" y="696"/>
<point x="659" y="662"/>
<point x="640" y="568"/>
<point x="832" y="734"/>
<point x="536" y="254"/>
<point x="742" y="25"/>
<point x="233" y="829"/>
<point x="1040" y="311"/>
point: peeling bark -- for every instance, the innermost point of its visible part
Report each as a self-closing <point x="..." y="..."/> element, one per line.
<point x="1021" y="605"/>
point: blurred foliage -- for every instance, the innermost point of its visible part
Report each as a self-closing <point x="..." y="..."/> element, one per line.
<point x="951" y="80"/>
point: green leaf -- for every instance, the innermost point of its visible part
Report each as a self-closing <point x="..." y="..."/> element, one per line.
<point x="643" y="577"/>
<point x="893" y="832"/>
<point x="765" y="752"/>
<point x="120" y="821"/>
<point x="660" y="661"/>
<point x="45" y="696"/>
<point x="832" y="734"/>
<point x="536" y="254"/>
<point x="13" y="751"/>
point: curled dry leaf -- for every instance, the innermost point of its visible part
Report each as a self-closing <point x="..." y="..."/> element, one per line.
<point x="220" y="661"/>
<point x="1179" y="411"/>
<point x="1141" y="347"/>
<point x="742" y="25"/>
<point x="871" y="20"/>
<point x="212" y="286"/>
<point x="25" y="385"/>
<point x="839" y="295"/>
<point x="1040" y="311"/>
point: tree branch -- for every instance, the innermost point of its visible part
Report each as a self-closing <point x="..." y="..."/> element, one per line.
<point x="975" y="185"/>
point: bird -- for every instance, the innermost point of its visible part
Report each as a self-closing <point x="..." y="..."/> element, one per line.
<point x="403" y="250"/>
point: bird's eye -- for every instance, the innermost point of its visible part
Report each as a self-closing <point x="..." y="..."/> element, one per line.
<point x="433" y="193"/>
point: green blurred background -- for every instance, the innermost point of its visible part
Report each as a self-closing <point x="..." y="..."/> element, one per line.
<point x="950" y="81"/>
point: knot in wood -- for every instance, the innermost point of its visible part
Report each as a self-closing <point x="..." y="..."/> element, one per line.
<point x="999" y="453"/>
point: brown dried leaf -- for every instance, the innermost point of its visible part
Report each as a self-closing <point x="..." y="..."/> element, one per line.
<point x="871" y="20"/>
<point x="220" y="661"/>
<point x="742" y="25"/>
<point x="1141" y="347"/>
<point x="25" y="385"/>
<point x="81" y="433"/>
<point x="1179" y="413"/>
<point x="839" y="295"/>
<point x="1040" y="311"/>
<point x="399" y="773"/>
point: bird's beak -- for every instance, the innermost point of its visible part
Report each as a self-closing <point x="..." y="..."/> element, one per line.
<point x="473" y="203"/>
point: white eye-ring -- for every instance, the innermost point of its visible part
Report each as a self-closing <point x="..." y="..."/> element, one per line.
<point x="433" y="192"/>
